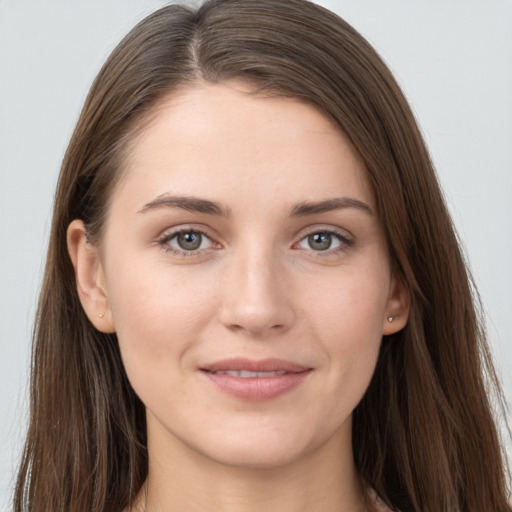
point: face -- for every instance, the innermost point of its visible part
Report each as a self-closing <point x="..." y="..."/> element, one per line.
<point x="244" y="269"/>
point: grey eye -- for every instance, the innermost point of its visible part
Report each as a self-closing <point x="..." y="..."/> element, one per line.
<point x="186" y="242"/>
<point x="320" y="241"/>
<point x="189" y="240"/>
<point x="323" y="241"/>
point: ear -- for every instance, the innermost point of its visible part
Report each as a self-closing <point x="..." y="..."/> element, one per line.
<point x="398" y="306"/>
<point x="90" y="279"/>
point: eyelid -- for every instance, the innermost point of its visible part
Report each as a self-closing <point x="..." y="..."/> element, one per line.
<point x="180" y="228"/>
<point x="323" y="228"/>
<point x="346" y="238"/>
<point x="171" y="233"/>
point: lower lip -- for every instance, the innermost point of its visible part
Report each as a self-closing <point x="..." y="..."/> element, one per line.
<point x="257" y="389"/>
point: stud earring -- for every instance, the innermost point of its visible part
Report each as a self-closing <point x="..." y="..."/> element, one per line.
<point x="391" y="318"/>
<point x="100" y="315"/>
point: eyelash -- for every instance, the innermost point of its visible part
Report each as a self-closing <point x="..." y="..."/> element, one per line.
<point x="345" y="242"/>
<point x="164" y="242"/>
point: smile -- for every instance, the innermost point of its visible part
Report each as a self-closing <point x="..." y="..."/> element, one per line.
<point x="255" y="381"/>
<point x="249" y="375"/>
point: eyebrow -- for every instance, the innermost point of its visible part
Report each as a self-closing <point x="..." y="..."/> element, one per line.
<point x="188" y="203"/>
<point x="311" y="208"/>
<point x="198" y="205"/>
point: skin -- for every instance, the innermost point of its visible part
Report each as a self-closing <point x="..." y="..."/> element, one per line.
<point x="257" y="288"/>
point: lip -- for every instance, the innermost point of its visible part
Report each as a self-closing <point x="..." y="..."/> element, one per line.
<point x="256" y="389"/>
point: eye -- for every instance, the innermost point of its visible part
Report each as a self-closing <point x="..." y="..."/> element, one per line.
<point x="324" y="241"/>
<point x="186" y="241"/>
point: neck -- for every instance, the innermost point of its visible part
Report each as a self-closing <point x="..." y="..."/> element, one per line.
<point x="180" y="479"/>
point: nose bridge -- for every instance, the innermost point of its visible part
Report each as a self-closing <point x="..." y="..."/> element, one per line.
<point x="255" y="296"/>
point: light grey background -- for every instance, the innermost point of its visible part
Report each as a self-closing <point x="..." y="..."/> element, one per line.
<point x="452" y="57"/>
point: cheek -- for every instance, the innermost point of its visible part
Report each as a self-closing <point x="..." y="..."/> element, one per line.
<point x="353" y="303"/>
<point x="158" y="314"/>
<point x="348" y="316"/>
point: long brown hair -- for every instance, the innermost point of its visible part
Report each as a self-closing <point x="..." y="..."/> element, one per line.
<point x="424" y="436"/>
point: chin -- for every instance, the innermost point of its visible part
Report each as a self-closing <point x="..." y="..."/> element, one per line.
<point x="255" y="454"/>
<point x="260" y="446"/>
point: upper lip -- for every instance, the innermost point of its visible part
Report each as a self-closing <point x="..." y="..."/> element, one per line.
<point x="251" y="365"/>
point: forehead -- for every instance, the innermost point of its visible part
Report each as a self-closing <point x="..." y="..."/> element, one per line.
<point x="220" y="142"/>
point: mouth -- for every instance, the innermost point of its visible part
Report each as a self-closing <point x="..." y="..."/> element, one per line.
<point x="240" y="364"/>
<point x="245" y="374"/>
<point x="255" y="381"/>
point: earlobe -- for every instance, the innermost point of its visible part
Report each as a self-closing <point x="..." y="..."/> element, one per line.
<point x="89" y="278"/>
<point x="397" y="310"/>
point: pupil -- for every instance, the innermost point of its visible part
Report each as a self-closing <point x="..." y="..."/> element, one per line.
<point x="320" y="241"/>
<point x="189" y="241"/>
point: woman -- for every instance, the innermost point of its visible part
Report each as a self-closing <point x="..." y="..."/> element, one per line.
<point x="254" y="297"/>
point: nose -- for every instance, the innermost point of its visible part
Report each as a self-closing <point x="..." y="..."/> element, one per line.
<point x="255" y="296"/>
